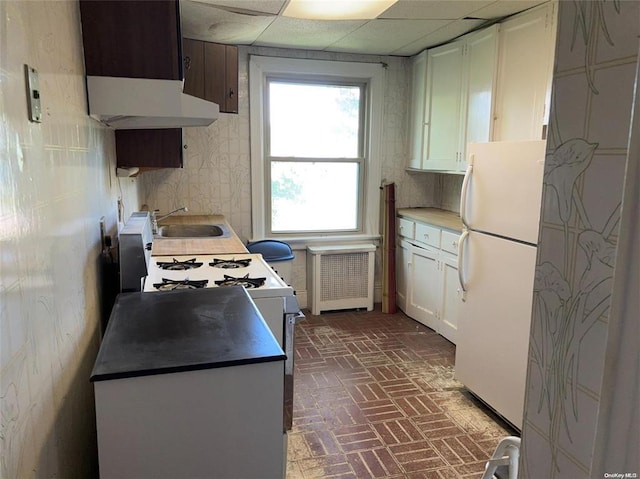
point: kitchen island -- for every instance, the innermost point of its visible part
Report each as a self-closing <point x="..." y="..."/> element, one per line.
<point x="189" y="383"/>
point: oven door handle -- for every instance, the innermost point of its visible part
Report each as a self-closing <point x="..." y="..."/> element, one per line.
<point x="295" y="318"/>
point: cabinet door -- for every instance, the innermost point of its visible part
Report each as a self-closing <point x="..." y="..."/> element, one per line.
<point x="231" y="79"/>
<point x="161" y="148"/>
<point x="132" y="38"/>
<point x="424" y="287"/>
<point x="481" y="64"/>
<point x="417" y="105"/>
<point x="193" y="59"/>
<point x="448" y="315"/>
<point x="443" y="107"/>
<point x="403" y="263"/>
<point x="221" y="76"/>
<point x="525" y="68"/>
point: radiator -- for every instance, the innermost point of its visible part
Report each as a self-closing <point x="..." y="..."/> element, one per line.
<point x="340" y="277"/>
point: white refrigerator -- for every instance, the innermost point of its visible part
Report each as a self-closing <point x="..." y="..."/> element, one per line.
<point x="500" y="208"/>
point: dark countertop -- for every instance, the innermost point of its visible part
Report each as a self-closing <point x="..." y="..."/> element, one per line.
<point x="183" y="330"/>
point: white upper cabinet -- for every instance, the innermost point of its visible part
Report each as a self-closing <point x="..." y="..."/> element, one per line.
<point x="525" y="68"/>
<point x="482" y="61"/>
<point x="458" y="100"/>
<point x="416" y="108"/>
<point x="490" y="85"/>
<point x="443" y="106"/>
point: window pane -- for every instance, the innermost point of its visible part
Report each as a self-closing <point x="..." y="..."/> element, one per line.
<point x="314" y="121"/>
<point x="314" y="196"/>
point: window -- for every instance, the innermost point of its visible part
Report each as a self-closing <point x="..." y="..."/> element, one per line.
<point x="315" y="168"/>
<point x="314" y="155"/>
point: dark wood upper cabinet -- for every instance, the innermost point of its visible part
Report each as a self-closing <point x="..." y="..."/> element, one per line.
<point x="136" y="39"/>
<point x="211" y="73"/>
<point x="160" y="148"/>
<point x="132" y="38"/>
<point x="193" y="63"/>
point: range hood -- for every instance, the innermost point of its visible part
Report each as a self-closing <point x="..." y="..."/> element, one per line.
<point x="142" y="103"/>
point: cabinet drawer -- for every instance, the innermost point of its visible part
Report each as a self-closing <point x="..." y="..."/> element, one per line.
<point x="449" y="241"/>
<point x="406" y="228"/>
<point x="428" y="235"/>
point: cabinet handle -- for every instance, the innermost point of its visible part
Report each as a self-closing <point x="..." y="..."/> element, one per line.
<point x="231" y="93"/>
<point x="187" y="63"/>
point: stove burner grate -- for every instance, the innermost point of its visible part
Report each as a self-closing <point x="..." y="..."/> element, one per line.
<point x="171" y="284"/>
<point x="176" y="265"/>
<point x="245" y="281"/>
<point x="230" y="263"/>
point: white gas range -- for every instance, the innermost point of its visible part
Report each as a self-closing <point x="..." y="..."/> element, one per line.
<point x="251" y="270"/>
<point x="273" y="297"/>
<point x="262" y="283"/>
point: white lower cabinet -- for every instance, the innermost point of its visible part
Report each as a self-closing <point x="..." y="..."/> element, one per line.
<point x="193" y="424"/>
<point x="423" y="282"/>
<point x="448" y="314"/>
<point x="403" y="258"/>
<point x="427" y="276"/>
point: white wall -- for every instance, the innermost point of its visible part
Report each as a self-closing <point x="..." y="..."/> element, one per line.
<point x="56" y="182"/>
<point x="593" y="91"/>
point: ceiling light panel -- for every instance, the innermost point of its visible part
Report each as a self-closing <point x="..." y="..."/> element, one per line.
<point x="336" y="9"/>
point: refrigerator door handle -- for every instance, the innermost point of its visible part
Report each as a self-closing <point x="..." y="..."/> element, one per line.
<point x="463" y="288"/>
<point x="463" y="193"/>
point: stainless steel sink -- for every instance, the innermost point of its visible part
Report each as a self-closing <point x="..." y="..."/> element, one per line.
<point x="193" y="231"/>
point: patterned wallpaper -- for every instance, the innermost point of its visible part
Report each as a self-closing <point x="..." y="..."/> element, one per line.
<point x="56" y="182"/>
<point x="216" y="173"/>
<point x="57" y="179"/>
<point x="584" y="175"/>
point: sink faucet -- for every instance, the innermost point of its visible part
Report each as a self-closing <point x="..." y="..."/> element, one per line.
<point x="155" y="219"/>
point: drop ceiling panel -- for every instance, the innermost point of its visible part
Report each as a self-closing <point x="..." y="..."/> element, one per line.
<point x="205" y="22"/>
<point x="505" y="8"/>
<point x="406" y="28"/>
<point x="271" y="7"/>
<point x="434" y="9"/>
<point x="307" y="34"/>
<point x="448" y="32"/>
<point x="381" y="37"/>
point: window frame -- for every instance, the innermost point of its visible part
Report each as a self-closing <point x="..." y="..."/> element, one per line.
<point x="261" y="69"/>
<point x="360" y="160"/>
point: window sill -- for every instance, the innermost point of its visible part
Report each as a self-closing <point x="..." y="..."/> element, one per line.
<point x="298" y="243"/>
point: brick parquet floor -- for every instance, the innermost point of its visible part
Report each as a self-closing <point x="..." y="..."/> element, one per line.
<point x="375" y="397"/>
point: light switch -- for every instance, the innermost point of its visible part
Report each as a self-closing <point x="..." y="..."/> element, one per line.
<point x="33" y="94"/>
